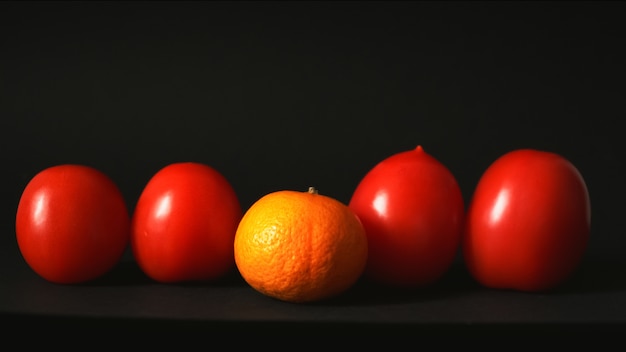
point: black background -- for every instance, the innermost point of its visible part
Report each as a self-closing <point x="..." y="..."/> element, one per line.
<point x="285" y="95"/>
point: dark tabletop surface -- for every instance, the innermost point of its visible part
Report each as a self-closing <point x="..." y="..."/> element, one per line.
<point x="593" y="300"/>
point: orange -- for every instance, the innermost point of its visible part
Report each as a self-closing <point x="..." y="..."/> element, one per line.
<point x="300" y="246"/>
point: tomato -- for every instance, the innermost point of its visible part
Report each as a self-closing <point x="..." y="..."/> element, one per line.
<point x="184" y="223"/>
<point x="528" y="222"/>
<point x="72" y="224"/>
<point x="412" y="209"/>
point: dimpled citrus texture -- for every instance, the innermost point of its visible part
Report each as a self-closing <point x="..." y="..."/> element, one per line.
<point x="300" y="246"/>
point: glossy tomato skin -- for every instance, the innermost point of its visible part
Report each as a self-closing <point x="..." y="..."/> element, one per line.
<point x="72" y="224"/>
<point x="184" y="224"/>
<point x="412" y="209"/>
<point x="528" y="222"/>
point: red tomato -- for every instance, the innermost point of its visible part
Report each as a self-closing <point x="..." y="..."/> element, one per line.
<point x="412" y="209"/>
<point x="72" y="224"/>
<point x="528" y="222"/>
<point x="184" y="224"/>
